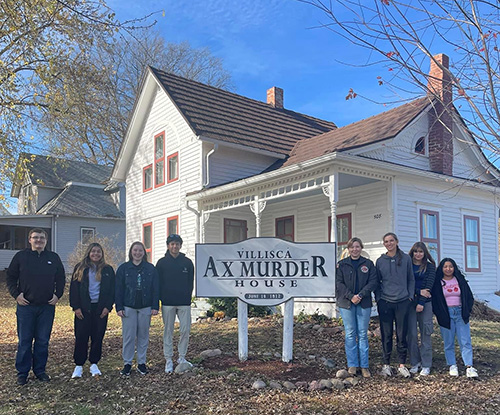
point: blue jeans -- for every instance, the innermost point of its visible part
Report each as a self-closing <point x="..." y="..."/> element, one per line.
<point x="356" y="320"/>
<point x="461" y="331"/>
<point x="34" y="323"/>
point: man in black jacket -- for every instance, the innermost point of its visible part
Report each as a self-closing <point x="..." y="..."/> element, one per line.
<point x="176" y="272"/>
<point x="35" y="278"/>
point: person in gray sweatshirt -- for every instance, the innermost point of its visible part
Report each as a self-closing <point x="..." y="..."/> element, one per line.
<point x="394" y="296"/>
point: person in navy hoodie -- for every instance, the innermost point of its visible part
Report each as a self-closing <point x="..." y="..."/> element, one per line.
<point x="36" y="279"/>
<point x="176" y="273"/>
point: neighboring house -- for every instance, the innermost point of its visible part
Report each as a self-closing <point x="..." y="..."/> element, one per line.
<point x="67" y="199"/>
<point x="218" y="167"/>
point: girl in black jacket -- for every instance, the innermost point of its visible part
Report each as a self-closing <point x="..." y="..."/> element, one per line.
<point x="91" y="295"/>
<point x="452" y="303"/>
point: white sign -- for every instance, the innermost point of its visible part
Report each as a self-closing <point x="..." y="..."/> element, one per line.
<point x="265" y="271"/>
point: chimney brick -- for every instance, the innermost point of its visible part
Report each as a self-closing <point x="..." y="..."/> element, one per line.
<point x="440" y="116"/>
<point x="275" y="97"/>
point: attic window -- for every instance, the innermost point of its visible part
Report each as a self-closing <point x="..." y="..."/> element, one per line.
<point x="420" y="146"/>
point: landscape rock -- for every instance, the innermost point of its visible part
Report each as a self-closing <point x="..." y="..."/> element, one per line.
<point x="210" y="353"/>
<point x="278" y="355"/>
<point x="259" y="384"/>
<point x="301" y="384"/>
<point x="321" y="330"/>
<point x="289" y="385"/>
<point x="311" y="357"/>
<point x="354" y="381"/>
<point x="183" y="368"/>
<point x="329" y="363"/>
<point x="326" y="384"/>
<point x="306" y="326"/>
<point x="316" y="326"/>
<point x="315" y="386"/>
<point x="337" y="384"/>
<point x="342" y="374"/>
<point x="275" y="385"/>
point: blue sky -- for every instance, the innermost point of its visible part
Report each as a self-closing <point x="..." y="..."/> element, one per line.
<point x="265" y="43"/>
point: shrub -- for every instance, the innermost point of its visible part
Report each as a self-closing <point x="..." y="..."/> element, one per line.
<point x="229" y="305"/>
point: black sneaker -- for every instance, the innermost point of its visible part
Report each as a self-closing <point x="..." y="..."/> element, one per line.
<point x="43" y="377"/>
<point x="142" y="369"/>
<point x="126" y="370"/>
<point x="22" y="380"/>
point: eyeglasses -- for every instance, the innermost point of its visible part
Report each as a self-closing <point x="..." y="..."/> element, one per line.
<point x="38" y="238"/>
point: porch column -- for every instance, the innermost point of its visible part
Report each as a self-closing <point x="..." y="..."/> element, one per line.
<point x="203" y="220"/>
<point x="257" y="208"/>
<point x="331" y="190"/>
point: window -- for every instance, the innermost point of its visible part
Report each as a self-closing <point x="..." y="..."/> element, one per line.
<point x="429" y="231"/>
<point x="147" y="178"/>
<point x="173" y="167"/>
<point x="284" y="228"/>
<point x="472" y="240"/>
<point x="344" y="231"/>
<point x="87" y="235"/>
<point x="420" y="146"/>
<point x="172" y="225"/>
<point x="159" y="159"/>
<point x="147" y="238"/>
<point x="234" y="230"/>
<point x="16" y="237"/>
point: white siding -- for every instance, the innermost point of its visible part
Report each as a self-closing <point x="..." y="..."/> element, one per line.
<point x="158" y="204"/>
<point x="452" y="202"/>
<point x="228" y="164"/>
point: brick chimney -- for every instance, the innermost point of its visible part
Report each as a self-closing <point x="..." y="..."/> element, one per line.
<point x="439" y="87"/>
<point x="275" y="97"/>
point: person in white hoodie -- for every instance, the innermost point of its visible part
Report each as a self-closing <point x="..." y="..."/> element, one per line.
<point x="394" y="296"/>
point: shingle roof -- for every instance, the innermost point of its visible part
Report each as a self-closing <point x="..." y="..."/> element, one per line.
<point x="56" y="172"/>
<point x="368" y="131"/>
<point x="222" y="115"/>
<point x="84" y="201"/>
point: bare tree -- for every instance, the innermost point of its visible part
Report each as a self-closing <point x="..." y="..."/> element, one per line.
<point x="94" y="101"/>
<point x="402" y="36"/>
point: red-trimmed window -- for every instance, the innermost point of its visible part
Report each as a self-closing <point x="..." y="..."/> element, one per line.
<point x="173" y="167"/>
<point x="344" y="231"/>
<point x="147" y="178"/>
<point x="235" y="230"/>
<point x="285" y="228"/>
<point x="472" y="244"/>
<point x="147" y="238"/>
<point x="159" y="159"/>
<point x="172" y="225"/>
<point x="429" y="231"/>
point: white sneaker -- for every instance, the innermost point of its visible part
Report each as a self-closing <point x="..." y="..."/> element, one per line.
<point x="169" y="366"/>
<point x="426" y="371"/>
<point x="77" y="373"/>
<point x="386" y="371"/>
<point x="183" y="360"/>
<point x="416" y="368"/>
<point x="453" y="370"/>
<point x="94" y="370"/>
<point x="403" y="371"/>
<point x="471" y="372"/>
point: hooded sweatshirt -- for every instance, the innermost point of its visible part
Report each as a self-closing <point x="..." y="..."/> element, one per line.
<point x="176" y="279"/>
<point x="397" y="282"/>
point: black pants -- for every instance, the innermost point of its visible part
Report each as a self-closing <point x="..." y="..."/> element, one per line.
<point x="388" y="314"/>
<point x="92" y="326"/>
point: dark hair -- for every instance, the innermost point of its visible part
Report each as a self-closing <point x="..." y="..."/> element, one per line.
<point x="144" y="258"/>
<point x="87" y="263"/>
<point x="351" y="241"/>
<point x="38" y="230"/>
<point x="399" y="252"/>
<point x="456" y="271"/>
<point x="427" y="256"/>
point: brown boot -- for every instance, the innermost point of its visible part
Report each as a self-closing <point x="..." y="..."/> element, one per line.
<point x="365" y="372"/>
<point x="352" y="371"/>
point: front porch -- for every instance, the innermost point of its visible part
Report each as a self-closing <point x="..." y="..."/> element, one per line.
<point x="303" y="207"/>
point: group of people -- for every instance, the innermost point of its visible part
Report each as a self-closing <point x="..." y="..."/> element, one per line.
<point x="36" y="279"/>
<point x="408" y="290"/>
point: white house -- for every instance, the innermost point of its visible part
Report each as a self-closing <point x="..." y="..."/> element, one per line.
<point x="218" y="167"/>
<point x="67" y="199"/>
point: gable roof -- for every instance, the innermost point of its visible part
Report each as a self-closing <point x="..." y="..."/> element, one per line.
<point x="368" y="131"/>
<point x="221" y="115"/>
<point x="81" y="201"/>
<point x="55" y="172"/>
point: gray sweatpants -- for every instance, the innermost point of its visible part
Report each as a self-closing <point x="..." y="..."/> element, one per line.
<point x="168" y="313"/>
<point x="423" y="320"/>
<point x="135" y="326"/>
